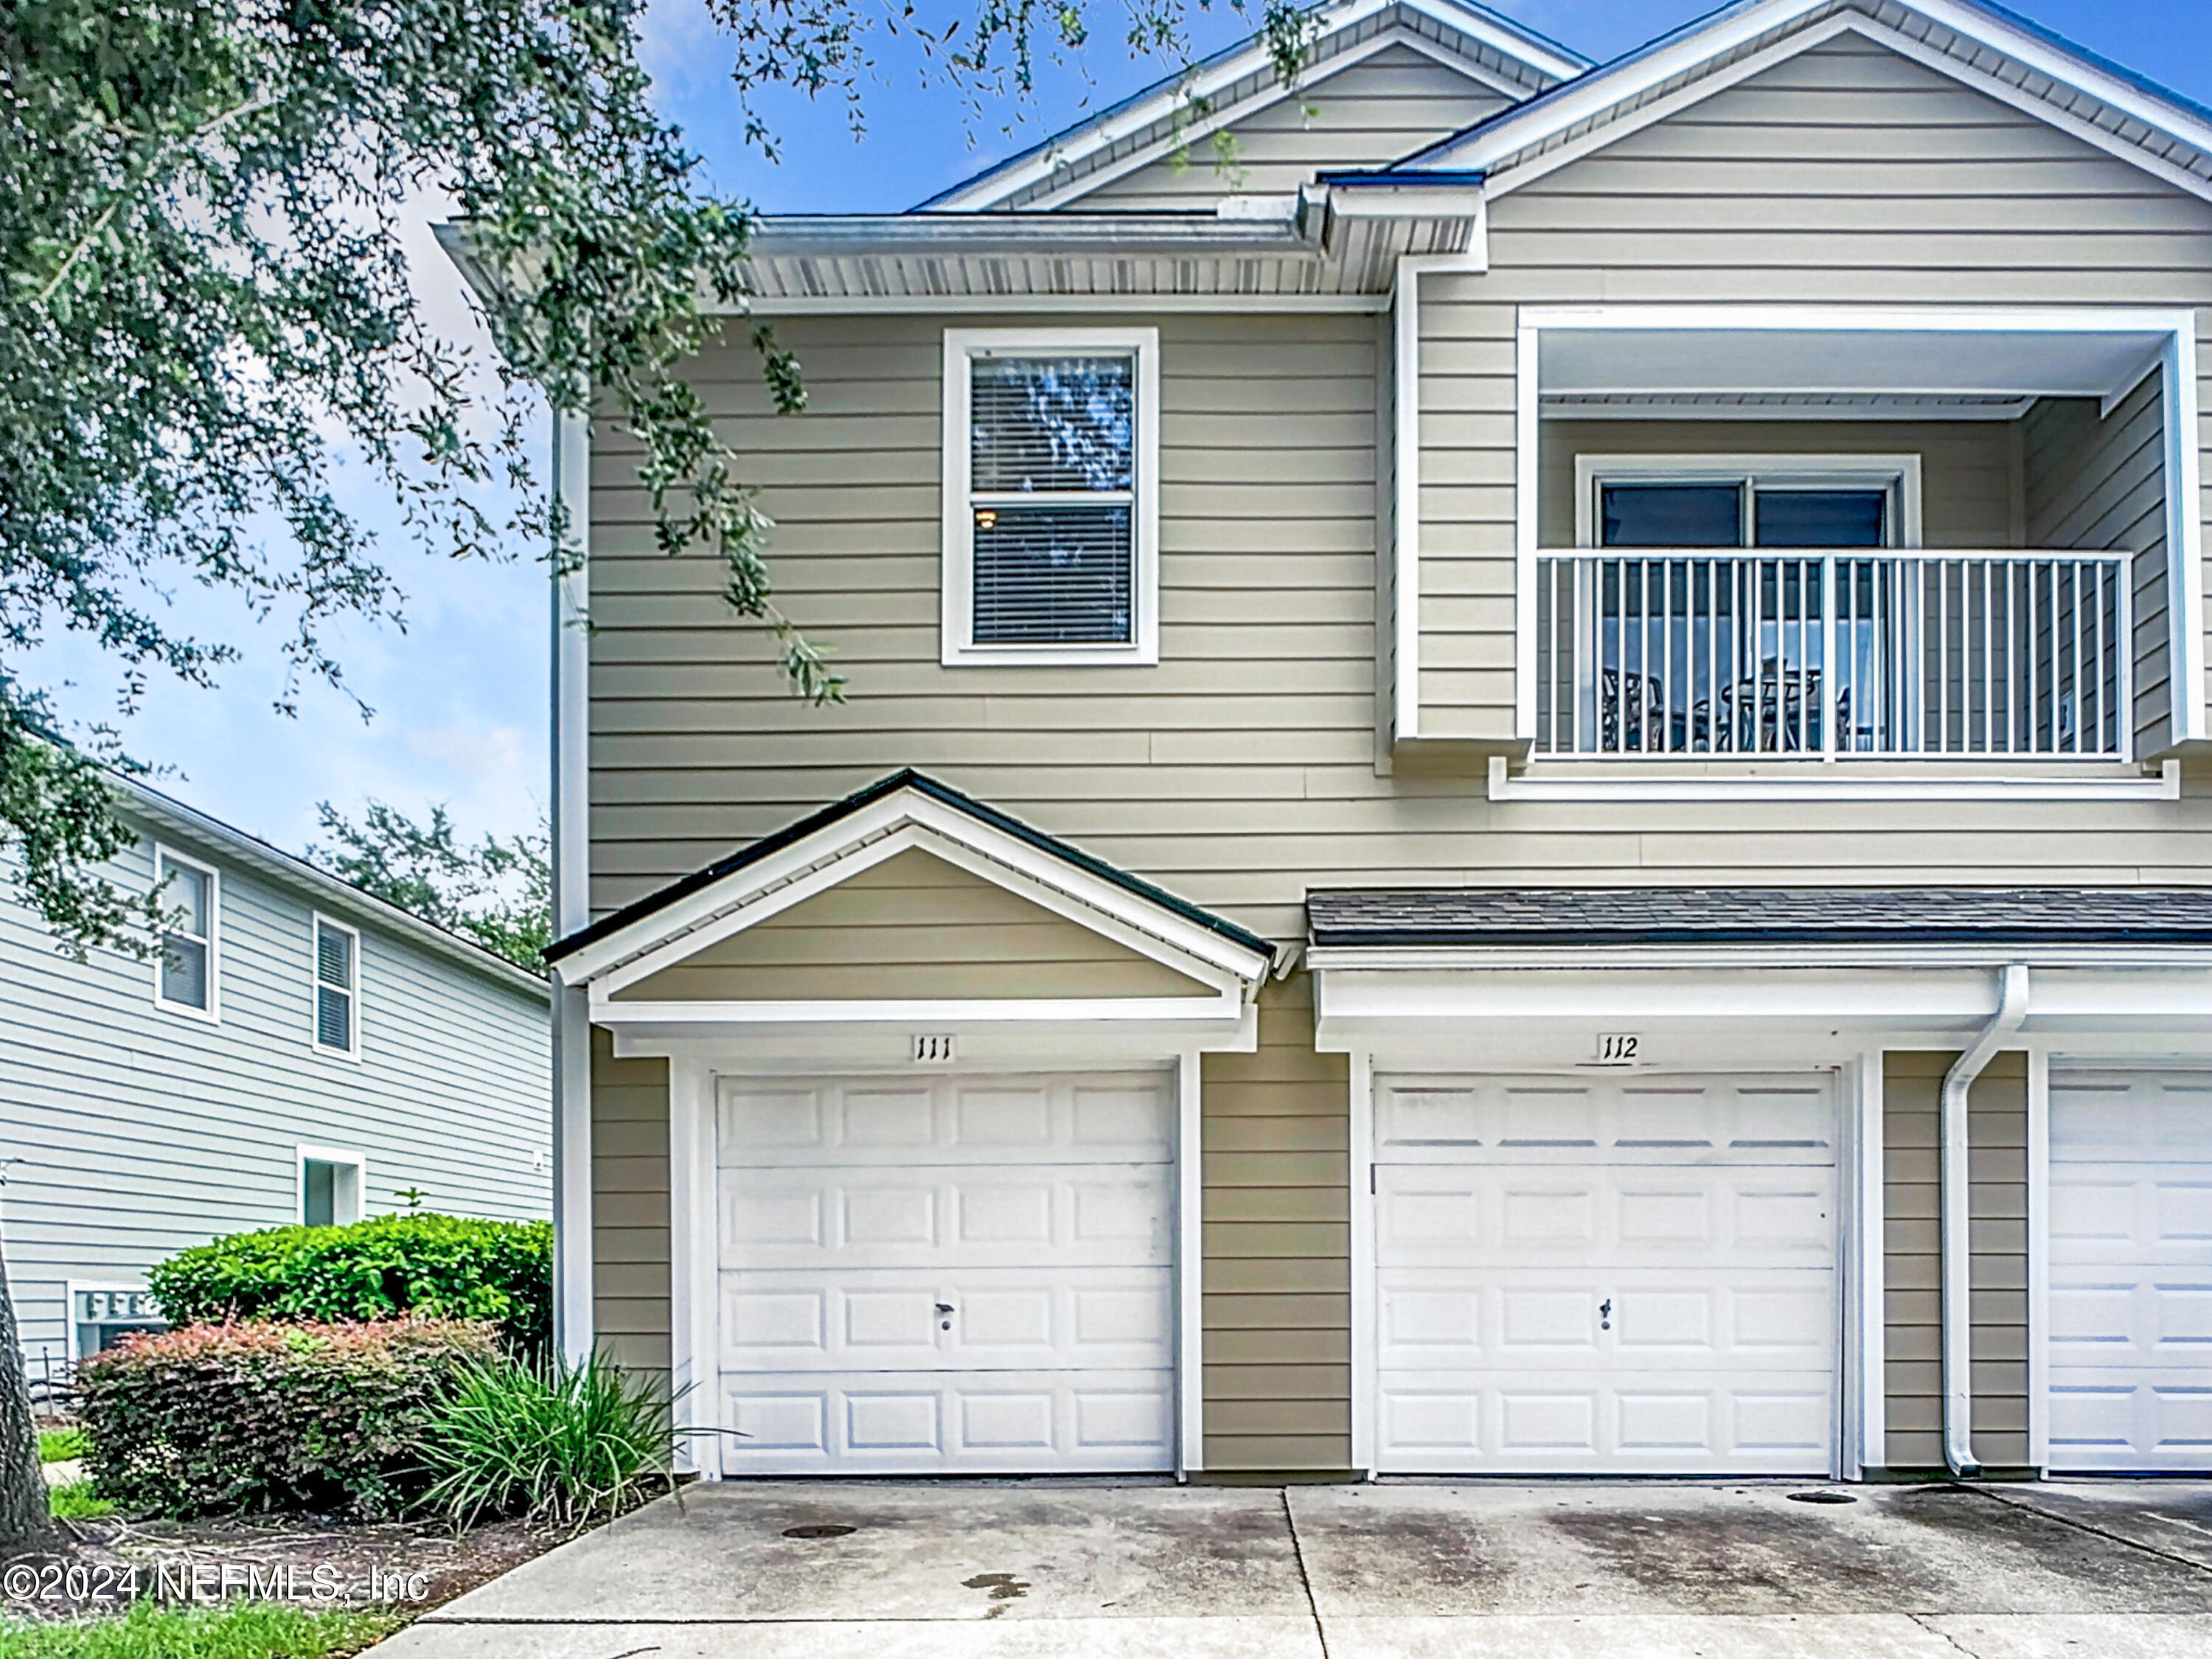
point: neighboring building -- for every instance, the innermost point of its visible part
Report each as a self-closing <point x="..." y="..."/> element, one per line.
<point x="299" y="1051"/>
<point x="1561" y="808"/>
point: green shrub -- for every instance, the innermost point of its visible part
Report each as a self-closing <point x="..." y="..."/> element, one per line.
<point x="244" y="1630"/>
<point x="75" y="1502"/>
<point x="440" y="1267"/>
<point x="556" y="1443"/>
<point x="59" y="1445"/>
<point x="213" y="1419"/>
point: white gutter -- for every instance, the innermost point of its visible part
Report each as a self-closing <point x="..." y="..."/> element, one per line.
<point x="1958" y="1281"/>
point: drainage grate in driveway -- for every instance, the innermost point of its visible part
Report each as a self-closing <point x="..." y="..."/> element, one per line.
<point x="818" y="1529"/>
<point x="1821" y="1498"/>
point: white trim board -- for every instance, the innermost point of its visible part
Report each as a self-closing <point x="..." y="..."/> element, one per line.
<point x="1593" y="110"/>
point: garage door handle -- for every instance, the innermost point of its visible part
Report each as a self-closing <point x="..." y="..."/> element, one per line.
<point x="944" y="1307"/>
<point x="1605" y="1314"/>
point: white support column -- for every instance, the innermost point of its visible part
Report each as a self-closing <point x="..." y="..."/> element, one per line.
<point x="694" y="1371"/>
<point x="572" y="1027"/>
<point x="1190" y="1270"/>
<point x="1362" y="1260"/>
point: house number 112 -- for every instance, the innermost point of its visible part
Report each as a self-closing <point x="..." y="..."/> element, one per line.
<point x="1617" y="1047"/>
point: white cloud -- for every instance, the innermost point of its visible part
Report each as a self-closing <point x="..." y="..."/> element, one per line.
<point x="496" y="753"/>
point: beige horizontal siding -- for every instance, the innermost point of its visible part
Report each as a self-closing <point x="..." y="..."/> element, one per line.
<point x="1276" y="1279"/>
<point x="1387" y="105"/>
<point x="912" y="927"/>
<point x="630" y="1207"/>
<point x="1848" y="174"/>
<point x="2099" y="482"/>
<point x="1967" y="488"/>
<point x="1912" y="1266"/>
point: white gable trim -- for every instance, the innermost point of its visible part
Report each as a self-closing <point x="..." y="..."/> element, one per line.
<point x="1276" y="92"/>
<point x="1593" y="105"/>
<point x="902" y="820"/>
<point x="992" y="189"/>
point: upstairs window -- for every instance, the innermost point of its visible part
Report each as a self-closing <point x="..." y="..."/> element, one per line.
<point x="1794" y="501"/>
<point x="338" y="987"/>
<point x="1051" y="496"/>
<point x="184" y="965"/>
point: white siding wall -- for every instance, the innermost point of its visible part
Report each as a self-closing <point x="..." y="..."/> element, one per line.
<point x="142" y="1131"/>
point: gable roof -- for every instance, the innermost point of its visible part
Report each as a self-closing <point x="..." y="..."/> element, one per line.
<point x="687" y="909"/>
<point x="1241" y="80"/>
<point x="1981" y="45"/>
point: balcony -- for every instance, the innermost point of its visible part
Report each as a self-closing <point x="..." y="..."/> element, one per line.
<point x="1668" y="652"/>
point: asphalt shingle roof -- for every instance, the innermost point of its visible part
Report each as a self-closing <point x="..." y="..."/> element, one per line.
<point x="1762" y="915"/>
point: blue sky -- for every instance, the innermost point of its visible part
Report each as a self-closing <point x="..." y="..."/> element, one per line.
<point x="460" y="697"/>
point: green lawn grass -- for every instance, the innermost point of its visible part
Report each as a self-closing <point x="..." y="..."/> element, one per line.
<point x="75" y="1502"/>
<point x="244" y="1630"/>
<point x="59" y="1445"/>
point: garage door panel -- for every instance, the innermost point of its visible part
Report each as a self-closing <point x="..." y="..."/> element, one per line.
<point x="2130" y="1271"/>
<point x="1112" y="1118"/>
<point x="890" y="1423"/>
<point x="1662" y="1120"/>
<point x="1440" y="1318"/>
<point x="1435" y="1214"/>
<point x="1632" y="1275"/>
<point x="1005" y="1319"/>
<point x="800" y="1218"/>
<point x="1539" y="1422"/>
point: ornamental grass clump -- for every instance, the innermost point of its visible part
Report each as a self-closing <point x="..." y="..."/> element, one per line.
<point x="560" y="1445"/>
<point x="221" y="1419"/>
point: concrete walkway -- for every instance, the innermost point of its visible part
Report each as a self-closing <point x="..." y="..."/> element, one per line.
<point x="1106" y="1569"/>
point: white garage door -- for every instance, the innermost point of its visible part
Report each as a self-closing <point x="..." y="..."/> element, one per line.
<point x="2130" y="1341"/>
<point x="947" y="1275"/>
<point x="1630" y="1276"/>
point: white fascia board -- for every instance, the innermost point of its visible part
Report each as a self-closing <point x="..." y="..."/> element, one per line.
<point x="994" y="187"/>
<point x="799" y="1049"/>
<point x="1087" y="305"/>
<point x="1860" y="319"/>
<point x="1227" y="1005"/>
<point x="1917" y="996"/>
<point x="874" y="833"/>
<point x="1588" y="104"/>
<point x="2048" y="785"/>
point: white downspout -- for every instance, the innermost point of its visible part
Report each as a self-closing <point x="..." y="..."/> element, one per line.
<point x="573" y="1332"/>
<point x="1957" y="1264"/>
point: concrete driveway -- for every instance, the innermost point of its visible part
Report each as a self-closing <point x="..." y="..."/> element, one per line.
<point x="1106" y="1569"/>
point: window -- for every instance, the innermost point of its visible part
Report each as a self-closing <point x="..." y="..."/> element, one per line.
<point x="1772" y="501"/>
<point x="331" y="1185"/>
<point x="1051" y="496"/>
<point x="185" y="966"/>
<point x="338" y="987"/>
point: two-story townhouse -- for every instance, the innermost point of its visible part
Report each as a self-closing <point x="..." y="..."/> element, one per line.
<point x="1524" y="791"/>
<point x="296" y="1051"/>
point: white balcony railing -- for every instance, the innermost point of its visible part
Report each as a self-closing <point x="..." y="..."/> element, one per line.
<point x="1666" y="652"/>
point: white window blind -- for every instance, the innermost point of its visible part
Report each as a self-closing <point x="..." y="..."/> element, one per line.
<point x="186" y="968"/>
<point x="1052" y="479"/>
<point x="336" y="961"/>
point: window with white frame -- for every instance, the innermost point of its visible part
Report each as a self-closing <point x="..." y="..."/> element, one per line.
<point x="1768" y="501"/>
<point x="338" y="987"/>
<point x="185" y="966"/>
<point x="331" y="1185"/>
<point x="1051" y="496"/>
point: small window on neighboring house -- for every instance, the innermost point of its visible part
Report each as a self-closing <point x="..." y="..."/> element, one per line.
<point x="184" y="965"/>
<point x="338" y="987"/>
<point x="1050" y="487"/>
<point x="330" y="1186"/>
